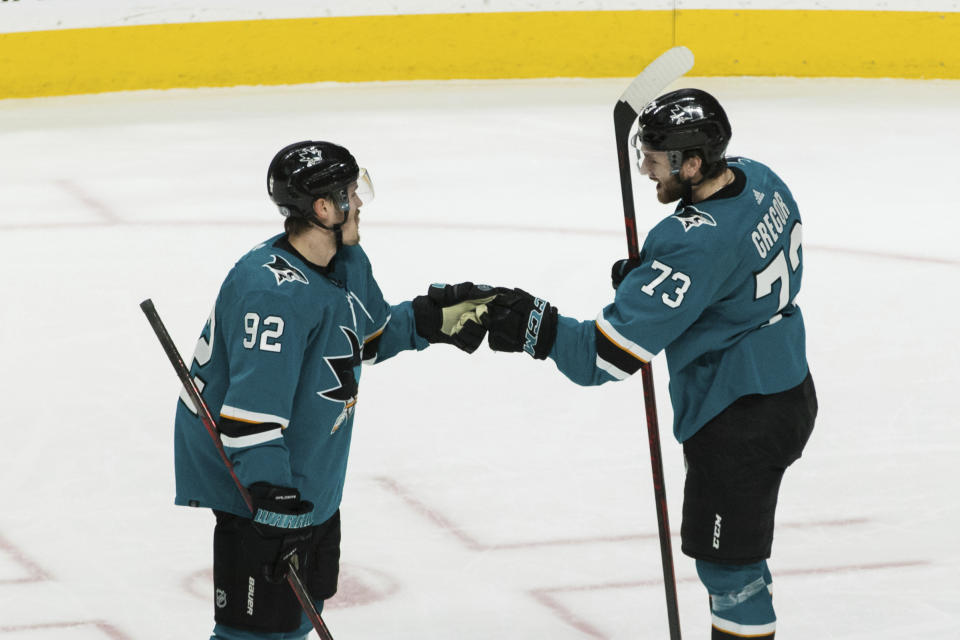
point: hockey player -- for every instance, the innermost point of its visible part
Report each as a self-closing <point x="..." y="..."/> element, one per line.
<point x="279" y="362"/>
<point x="715" y="286"/>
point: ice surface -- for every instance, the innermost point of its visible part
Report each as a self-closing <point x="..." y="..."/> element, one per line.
<point x="487" y="496"/>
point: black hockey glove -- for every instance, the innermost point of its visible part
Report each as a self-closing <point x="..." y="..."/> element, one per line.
<point x="519" y="322"/>
<point x="620" y="270"/>
<point x="280" y="516"/>
<point x="450" y="313"/>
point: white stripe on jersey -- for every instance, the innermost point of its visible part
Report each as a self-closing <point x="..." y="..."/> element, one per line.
<point x="367" y="313"/>
<point x="251" y="416"/>
<point x="378" y="331"/>
<point x="622" y="342"/>
<point x="251" y="440"/>
<point x="745" y="630"/>
<point x="616" y="372"/>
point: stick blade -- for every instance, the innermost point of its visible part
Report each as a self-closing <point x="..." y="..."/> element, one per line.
<point x="669" y="66"/>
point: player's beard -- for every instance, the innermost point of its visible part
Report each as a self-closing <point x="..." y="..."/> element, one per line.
<point x="352" y="237"/>
<point x="669" y="190"/>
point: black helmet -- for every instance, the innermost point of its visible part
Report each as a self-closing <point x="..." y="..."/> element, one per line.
<point x="685" y="120"/>
<point x="302" y="172"/>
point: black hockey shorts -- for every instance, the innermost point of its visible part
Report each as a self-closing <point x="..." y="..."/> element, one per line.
<point x="243" y="598"/>
<point x="734" y="466"/>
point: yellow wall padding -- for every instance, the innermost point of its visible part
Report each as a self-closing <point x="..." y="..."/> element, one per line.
<point x="477" y="45"/>
<point x="864" y="44"/>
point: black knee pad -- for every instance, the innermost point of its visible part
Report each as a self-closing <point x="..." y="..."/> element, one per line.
<point x="243" y="598"/>
<point x="323" y="569"/>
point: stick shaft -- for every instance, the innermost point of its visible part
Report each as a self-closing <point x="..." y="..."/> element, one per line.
<point x="624" y="115"/>
<point x="203" y="411"/>
<point x="660" y="496"/>
<point x="191" y="388"/>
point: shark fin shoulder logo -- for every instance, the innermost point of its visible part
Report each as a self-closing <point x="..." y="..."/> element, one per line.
<point x="691" y="217"/>
<point x="284" y="271"/>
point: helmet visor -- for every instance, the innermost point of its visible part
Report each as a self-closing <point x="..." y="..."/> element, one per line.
<point x="364" y="186"/>
<point x="637" y="143"/>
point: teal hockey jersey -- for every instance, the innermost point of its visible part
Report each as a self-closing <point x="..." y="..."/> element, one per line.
<point x="278" y="363"/>
<point x="716" y="289"/>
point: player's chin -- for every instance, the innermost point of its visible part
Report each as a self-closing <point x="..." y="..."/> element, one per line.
<point x="662" y="193"/>
<point x="666" y="195"/>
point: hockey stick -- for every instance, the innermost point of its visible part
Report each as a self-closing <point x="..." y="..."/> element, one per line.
<point x="293" y="578"/>
<point x="669" y="66"/>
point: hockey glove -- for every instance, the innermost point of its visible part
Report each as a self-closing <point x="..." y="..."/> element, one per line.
<point x="519" y="322"/>
<point x="280" y="516"/>
<point x="620" y="270"/>
<point x="450" y="313"/>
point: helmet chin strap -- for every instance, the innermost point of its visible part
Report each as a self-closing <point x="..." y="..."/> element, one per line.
<point x="688" y="183"/>
<point x="688" y="186"/>
<point x="336" y="228"/>
<point x="675" y="158"/>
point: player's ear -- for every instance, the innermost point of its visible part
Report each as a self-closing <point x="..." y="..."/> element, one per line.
<point x="323" y="208"/>
<point x="691" y="166"/>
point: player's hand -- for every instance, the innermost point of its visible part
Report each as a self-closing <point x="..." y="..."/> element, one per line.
<point x="517" y="321"/>
<point x="279" y="515"/>
<point x="450" y="313"/>
<point x="621" y="268"/>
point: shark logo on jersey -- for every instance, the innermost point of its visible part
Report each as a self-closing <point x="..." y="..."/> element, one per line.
<point x="686" y="113"/>
<point x="691" y="217"/>
<point x="347" y="369"/>
<point x="284" y="271"/>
